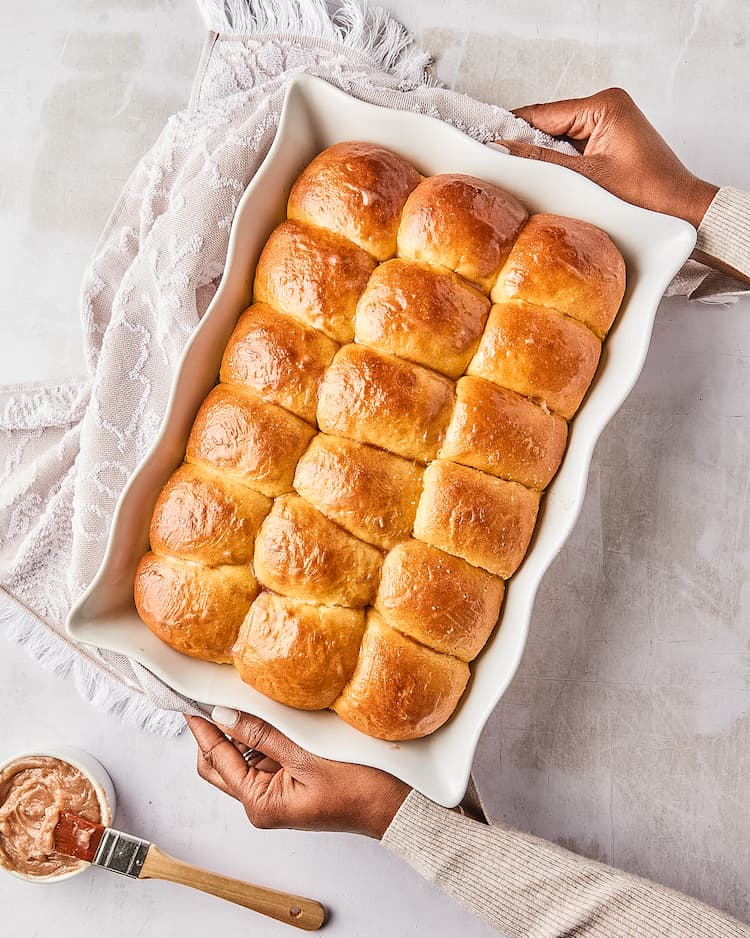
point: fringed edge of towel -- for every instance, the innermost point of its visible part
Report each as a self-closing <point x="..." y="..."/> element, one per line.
<point x="56" y="656"/>
<point x="369" y="31"/>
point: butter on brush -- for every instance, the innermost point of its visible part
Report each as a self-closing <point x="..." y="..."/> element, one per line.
<point x="121" y="853"/>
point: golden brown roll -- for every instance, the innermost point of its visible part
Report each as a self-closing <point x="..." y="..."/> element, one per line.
<point x="567" y="264"/>
<point x="279" y="358"/>
<point x="400" y="689"/>
<point x="313" y="275"/>
<point x="358" y="191"/>
<point x="197" y="610"/>
<point x="439" y="600"/>
<point x="298" y="654"/>
<point x="484" y="520"/>
<point x="207" y="517"/>
<point x="300" y="553"/>
<point x="539" y="353"/>
<point x="370" y="493"/>
<point x="502" y="433"/>
<point x="462" y="223"/>
<point x="246" y="438"/>
<point x="382" y="400"/>
<point x="429" y="316"/>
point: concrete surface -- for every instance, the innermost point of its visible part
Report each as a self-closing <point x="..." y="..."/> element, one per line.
<point x="625" y="735"/>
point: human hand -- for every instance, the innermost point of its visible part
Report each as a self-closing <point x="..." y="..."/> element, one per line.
<point x="620" y="150"/>
<point x="285" y="786"/>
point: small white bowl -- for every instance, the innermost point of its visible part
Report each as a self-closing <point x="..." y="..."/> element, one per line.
<point x="95" y="772"/>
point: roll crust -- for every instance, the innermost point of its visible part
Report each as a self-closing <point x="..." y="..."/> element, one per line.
<point x="207" y="517"/>
<point x="279" y="358"/>
<point x="301" y="554"/>
<point x="429" y="316"/>
<point x="197" y="610"/>
<point x="439" y="600"/>
<point x="238" y="433"/>
<point x="298" y="654"/>
<point x="382" y="400"/>
<point x="472" y="515"/>
<point x="356" y="190"/>
<point x="370" y="493"/>
<point x="504" y="434"/>
<point x="462" y="223"/>
<point x="313" y="275"/>
<point x="400" y="689"/>
<point x="568" y="265"/>
<point x="538" y="353"/>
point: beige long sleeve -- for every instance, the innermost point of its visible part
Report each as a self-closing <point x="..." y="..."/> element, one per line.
<point x="723" y="242"/>
<point x="724" y="233"/>
<point x="529" y="888"/>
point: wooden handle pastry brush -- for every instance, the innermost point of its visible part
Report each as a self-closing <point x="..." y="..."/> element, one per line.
<point x="111" y="849"/>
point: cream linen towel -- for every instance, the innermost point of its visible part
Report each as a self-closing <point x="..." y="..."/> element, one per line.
<point x="67" y="450"/>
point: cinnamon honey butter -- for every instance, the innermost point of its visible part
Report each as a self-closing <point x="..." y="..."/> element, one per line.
<point x="34" y="792"/>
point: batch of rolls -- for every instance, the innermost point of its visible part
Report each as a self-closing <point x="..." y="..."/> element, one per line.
<point x="366" y="476"/>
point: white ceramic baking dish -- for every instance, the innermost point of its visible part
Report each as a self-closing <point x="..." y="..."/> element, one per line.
<point x="316" y="115"/>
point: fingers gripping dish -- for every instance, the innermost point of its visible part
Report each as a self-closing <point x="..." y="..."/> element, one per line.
<point x="367" y="474"/>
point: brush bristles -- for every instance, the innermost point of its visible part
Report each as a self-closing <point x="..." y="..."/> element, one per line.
<point x="78" y="837"/>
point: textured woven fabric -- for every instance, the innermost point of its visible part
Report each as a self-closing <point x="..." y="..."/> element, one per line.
<point x="529" y="888"/>
<point x="66" y="451"/>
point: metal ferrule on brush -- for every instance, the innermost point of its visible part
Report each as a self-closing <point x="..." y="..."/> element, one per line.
<point x="121" y="853"/>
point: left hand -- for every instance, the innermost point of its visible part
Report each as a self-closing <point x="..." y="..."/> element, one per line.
<point x="620" y="150"/>
<point x="283" y="785"/>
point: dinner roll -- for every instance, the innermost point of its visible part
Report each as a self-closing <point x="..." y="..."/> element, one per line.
<point x="502" y="433"/>
<point x="279" y="358"/>
<point x="415" y="311"/>
<point x="358" y="191"/>
<point x="314" y="275"/>
<point x="462" y="223"/>
<point x="382" y="400"/>
<point x="484" y="520"/>
<point x="300" y="553"/>
<point x="207" y="517"/>
<point x="539" y="353"/>
<point x="439" y="600"/>
<point x="298" y="654"/>
<point x="196" y="609"/>
<point x="400" y="689"/>
<point x="567" y="264"/>
<point x="257" y="443"/>
<point x="367" y="491"/>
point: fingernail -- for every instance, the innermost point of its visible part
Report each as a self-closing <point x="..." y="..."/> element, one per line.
<point x="499" y="147"/>
<point x="224" y="716"/>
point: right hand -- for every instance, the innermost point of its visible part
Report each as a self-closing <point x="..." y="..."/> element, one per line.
<point x="620" y="150"/>
<point x="283" y="785"/>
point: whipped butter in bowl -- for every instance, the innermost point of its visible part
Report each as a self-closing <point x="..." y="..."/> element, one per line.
<point x="35" y="789"/>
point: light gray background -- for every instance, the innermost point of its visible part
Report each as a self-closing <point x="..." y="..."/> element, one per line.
<point x="625" y="735"/>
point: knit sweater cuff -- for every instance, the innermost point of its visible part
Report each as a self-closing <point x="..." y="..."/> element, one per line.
<point x="724" y="232"/>
<point x="418" y="827"/>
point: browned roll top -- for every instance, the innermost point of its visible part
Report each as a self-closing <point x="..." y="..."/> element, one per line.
<point x="358" y="191"/>
<point x="423" y="314"/>
<point x="461" y="223"/>
<point x="368" y="472"/>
